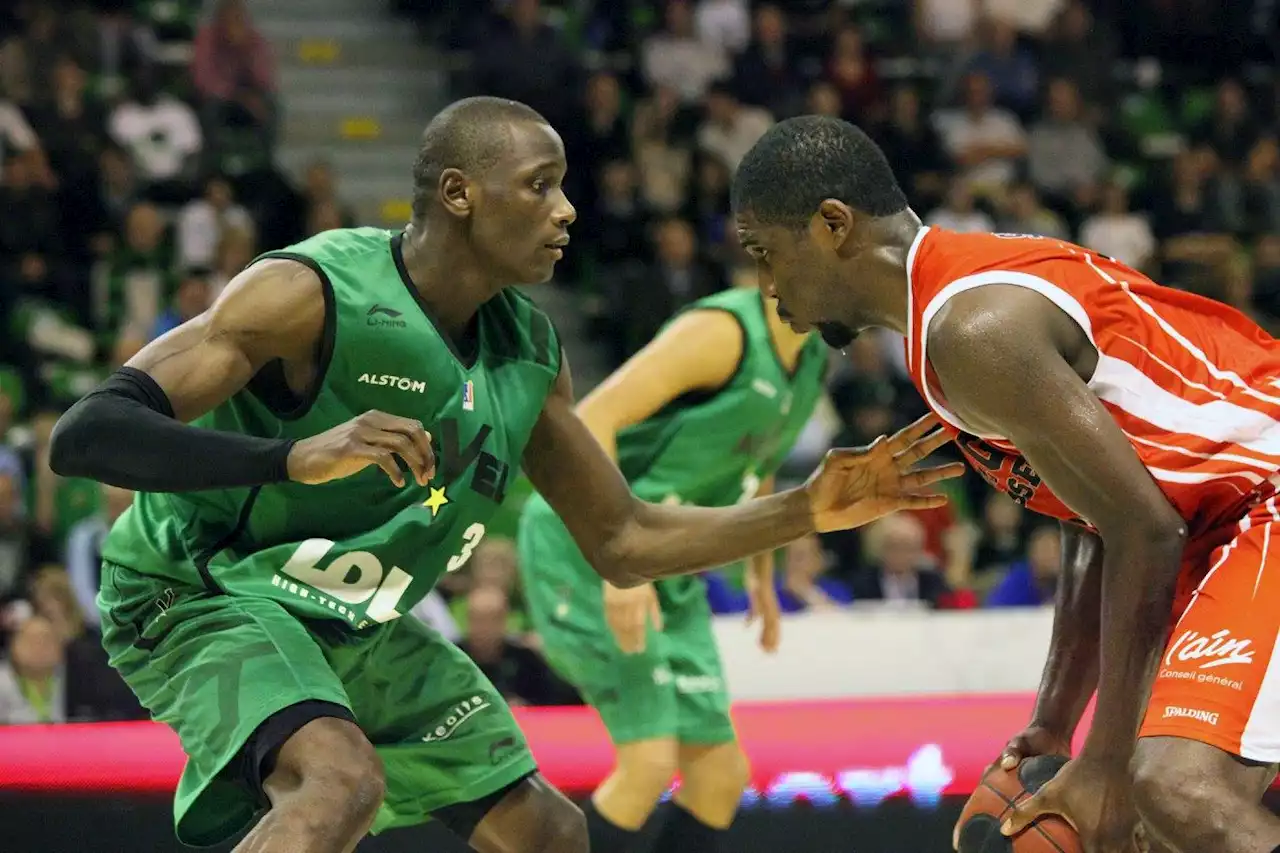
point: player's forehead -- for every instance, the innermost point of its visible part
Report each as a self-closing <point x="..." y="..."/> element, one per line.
<point x="533" y="146"/>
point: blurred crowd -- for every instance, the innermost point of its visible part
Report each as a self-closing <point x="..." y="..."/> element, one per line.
<point x="138" y="175"/>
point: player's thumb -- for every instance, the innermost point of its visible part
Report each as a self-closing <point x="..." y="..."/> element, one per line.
<point x="655" y="614"/>
<point x="1025" y="813"/>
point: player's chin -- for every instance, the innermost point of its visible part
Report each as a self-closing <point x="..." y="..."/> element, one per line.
<point x="543" y="268"/>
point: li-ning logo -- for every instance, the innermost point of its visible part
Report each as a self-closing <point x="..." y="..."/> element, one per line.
<point x="1216" y="650"/>
<point x="381" y="315"/>
<point x="458" y="715"/>
<point x="404" y="384"/>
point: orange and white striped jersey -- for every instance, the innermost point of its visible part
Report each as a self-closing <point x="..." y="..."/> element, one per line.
<point x="1194" y="384"/>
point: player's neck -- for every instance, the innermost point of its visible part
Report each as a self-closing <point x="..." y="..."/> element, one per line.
<point x="447" y="274"/>
<point x="885" y="273"/>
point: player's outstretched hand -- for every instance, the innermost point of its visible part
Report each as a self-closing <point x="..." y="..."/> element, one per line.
<point x="629" y="612"/>
<point x="374" y="438"/>
<point x="853" y="487"/>
<point x="1096" y="799"/>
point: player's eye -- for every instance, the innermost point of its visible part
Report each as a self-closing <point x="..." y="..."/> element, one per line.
<point x="540" y="185"/>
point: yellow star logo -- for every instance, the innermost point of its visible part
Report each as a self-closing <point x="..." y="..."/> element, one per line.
<point x="437" y="499"/>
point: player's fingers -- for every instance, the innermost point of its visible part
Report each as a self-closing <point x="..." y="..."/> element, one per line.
<point x="913" y="480"/>
<point x="384" y="459"/>
<point x="909" y="502"/>
<point x="910" y="434"/>
<point x="921" y="448"/>
<point x="655" y="614"/>
<point x="399" y="444"/>
<point x="1026" y="812"/>
<point x="1010" y="758"/>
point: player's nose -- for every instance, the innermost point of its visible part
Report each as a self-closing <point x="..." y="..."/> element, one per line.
<point x="565" y="213"/>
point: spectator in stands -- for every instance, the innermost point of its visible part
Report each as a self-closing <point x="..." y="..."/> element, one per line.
<point x="724" y="24"/>
<point x="1033" y="581"/>
<point x="517" y="672"/>
<point x="137" y="280"/>
<point x="852" y="72"/>
<point x="72" y="127"/>
<point x="493" y="564"/>
<point x="1230" y="130"/>
<point x="1266" y="285"/>
<point x="16" y="135"/>
<point x="620" y="228"/>
<point x="234" y="74"/>
<point x="1023" y="213"/>
<point x="1193" y="234"/>
<point x="29" y="61"/>
<point x="767" y="73"/>
<point x="678" y="276"/>
<point x="323" y="216"/>
<point x="804" y="584"/>
<point x="900" y="569"/>
<point x="1084" y="50"/>
<point x="1118" y="232"/>
<point x="1065" y="157"/>
<point x="985" y="141"/>
<point x="730" y="128"/>
<point x="163" y="138"/>
<point x="677" y="59"/>
<point x="14" y="533"/>
<point x="524" y="59"/>
<point x="320" y="188"/>
<point x="30" y="233"/>
<point x="83" y="550"/>
<point x="191" y="298"/>
<point x="708" y="207"/>
<point x="958" y="212"/>
<point x="110" y="199"/>
<point x="433" y="611"/>
<point x="1010" y="67"/>
<point x="92" y="690"/>
<point x="1000" y="541"/>
<point x="1259" y="189"/>
<point x="945" y="27"/>
<point x="598" y="134"/>
<point x="235" y="251"/>
<point x="60" y="502"/>
<point x="913" y="148"/>
<point x="662" y="131"/>
<point x="202" y="222"/>
<point x="32" y="680"/>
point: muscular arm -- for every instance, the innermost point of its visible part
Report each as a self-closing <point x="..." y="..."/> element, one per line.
<point x="1071" y="669"/>
<point x="1004" y="357"/>
<point x="131" y="431"/>
<point x="627" y="540"/>
<point x="698" y="351"/>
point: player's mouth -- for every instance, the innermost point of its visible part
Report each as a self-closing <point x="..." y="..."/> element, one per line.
<point x="556" y="247"/>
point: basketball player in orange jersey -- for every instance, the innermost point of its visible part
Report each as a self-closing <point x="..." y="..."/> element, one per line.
<point x="1146" y="419"/>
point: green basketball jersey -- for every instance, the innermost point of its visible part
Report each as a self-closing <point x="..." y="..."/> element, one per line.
<point x="714" y="449"/>
<point x="360" y="549"/>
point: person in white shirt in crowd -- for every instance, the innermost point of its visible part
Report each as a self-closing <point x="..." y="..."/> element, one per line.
<point x="1118" y="232"/>
<point x="202" y="222"/>
<point x="677" y="58"/>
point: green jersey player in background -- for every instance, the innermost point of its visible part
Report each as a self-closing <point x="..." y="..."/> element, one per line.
<point x="293" y="505"/>
<point x="705" y="414"/>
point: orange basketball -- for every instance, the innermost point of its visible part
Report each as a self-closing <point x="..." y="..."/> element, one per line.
<point x="991" y="804"/>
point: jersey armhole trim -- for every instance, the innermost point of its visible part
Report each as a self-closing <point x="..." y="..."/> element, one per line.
<point x="1067" y="303"/>
<point x="328" y="337"/>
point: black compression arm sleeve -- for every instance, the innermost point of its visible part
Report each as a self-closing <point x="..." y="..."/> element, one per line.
<point x="125" y="434"/>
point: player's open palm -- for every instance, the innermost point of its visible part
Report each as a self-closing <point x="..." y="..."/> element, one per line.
<point x="853" y="487"/>
<point x="629" y="613"/>
<point x="374" y="438"/>
<point x="1096" y="801"/>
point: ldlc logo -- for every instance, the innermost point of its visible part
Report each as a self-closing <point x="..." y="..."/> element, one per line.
<point x="381" y="315"/>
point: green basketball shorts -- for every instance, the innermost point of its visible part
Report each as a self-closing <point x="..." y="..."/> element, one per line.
<point x="674" y="688"/>
<point x="215" y="667"/>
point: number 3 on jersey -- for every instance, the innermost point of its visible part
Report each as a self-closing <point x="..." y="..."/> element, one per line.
<point x="470" y="539"/>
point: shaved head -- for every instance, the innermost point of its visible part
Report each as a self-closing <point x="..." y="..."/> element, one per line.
<point x="470" y="135"/>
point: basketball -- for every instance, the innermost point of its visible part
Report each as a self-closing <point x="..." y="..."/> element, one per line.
<point x="991" y="804"/>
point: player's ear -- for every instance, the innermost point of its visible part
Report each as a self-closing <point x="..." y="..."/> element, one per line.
<point x="835" y="220"/>
<point x="456" y="193"/>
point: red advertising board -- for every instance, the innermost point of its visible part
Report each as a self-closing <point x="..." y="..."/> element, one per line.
<point x="863" y="750"/>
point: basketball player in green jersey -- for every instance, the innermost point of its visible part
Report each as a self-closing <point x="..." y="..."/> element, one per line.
<point x="292" y="506"/>
<point x="703" y="415"/>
